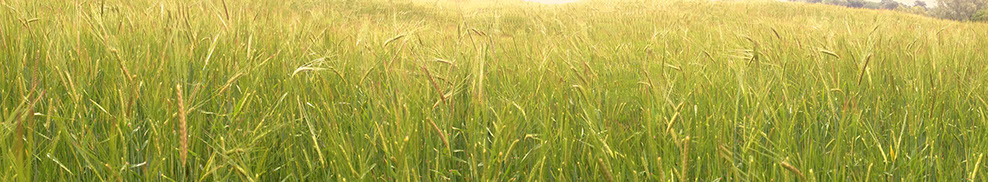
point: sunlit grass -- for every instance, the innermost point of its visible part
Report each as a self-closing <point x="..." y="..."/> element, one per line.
<point x="333" y="90"/>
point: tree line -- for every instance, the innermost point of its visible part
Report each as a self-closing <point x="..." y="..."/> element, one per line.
<point x="961" y="10"/>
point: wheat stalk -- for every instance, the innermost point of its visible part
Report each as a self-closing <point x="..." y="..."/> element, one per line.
<point x="793" y="170"/>
<point x="441" y="134"/>
<point x="685" y="159"/>
<point x="607" y="171"/>
<point x="184" y="138"/>
<point x="864" y="68"/>
<point x="831" y="53"/>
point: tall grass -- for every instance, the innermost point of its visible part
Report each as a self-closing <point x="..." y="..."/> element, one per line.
<point x="399" y="90"/>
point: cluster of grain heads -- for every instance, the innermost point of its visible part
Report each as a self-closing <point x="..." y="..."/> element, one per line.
<point x="499" y="91"/>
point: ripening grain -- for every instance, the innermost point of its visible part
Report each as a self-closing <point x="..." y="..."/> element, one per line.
<point x="505" y="90"/>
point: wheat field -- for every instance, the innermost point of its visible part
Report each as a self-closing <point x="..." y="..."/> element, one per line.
<point x="506" y="90"/>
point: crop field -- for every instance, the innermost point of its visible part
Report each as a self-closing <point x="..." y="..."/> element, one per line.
<point x="500" y="90"/>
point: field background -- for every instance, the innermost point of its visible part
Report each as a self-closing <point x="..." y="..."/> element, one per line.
<point x="398" y="90"/>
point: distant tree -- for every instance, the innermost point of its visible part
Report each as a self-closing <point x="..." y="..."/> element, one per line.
<point x="959" y="9"/>
<point x="848" y="3"/>
<point x="920" y="3"/>
<point x="888" y="4"/>
<point x="836" y="2"/>
<point x="981" y="16"/>
<point x="856" y="3"/>
<point x="872" y="5"/>
<point x="919" y="10"/>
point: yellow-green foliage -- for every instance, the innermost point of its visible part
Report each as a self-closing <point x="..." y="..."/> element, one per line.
<point x="981" y="16"/>
<point x="397" y="90"/>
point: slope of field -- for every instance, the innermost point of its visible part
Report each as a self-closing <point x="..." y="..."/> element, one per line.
<point x="345" y="90"/>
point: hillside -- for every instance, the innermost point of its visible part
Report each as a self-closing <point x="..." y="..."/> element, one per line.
<point x="398" y="90"/>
